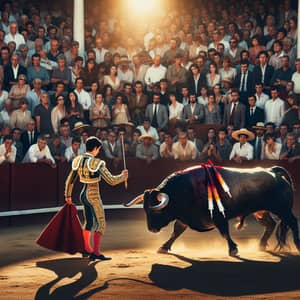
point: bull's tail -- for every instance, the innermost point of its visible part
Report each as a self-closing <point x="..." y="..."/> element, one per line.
<point x="284" y="174"/>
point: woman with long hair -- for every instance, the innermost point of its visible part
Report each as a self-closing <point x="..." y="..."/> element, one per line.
<point x="89" y="74"/>
<point x="112" y="79"/>
<point x="120" y="113"/>
<point x="213" y="77"/>
<point x="74" y="110"/>
<point x="58" y="113"/>
<point x="212" y="111"/>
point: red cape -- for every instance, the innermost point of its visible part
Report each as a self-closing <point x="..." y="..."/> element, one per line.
<point x="63" y="233"/>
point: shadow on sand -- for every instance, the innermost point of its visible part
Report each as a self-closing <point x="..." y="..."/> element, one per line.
<point x="224" y="278"/>
<point x="68" y="268"/>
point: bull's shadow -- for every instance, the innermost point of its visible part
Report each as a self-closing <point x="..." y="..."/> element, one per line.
<point x="68" y="268"/>
<point x="230" y="278"/>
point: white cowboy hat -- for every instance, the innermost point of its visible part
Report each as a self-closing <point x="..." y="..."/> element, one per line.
<point x="145" y="136"/>
<point x="259" y="125"/>
<point x="250" y="135"/>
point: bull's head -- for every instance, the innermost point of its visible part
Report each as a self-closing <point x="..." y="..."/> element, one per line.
<point x="155" y="206"/>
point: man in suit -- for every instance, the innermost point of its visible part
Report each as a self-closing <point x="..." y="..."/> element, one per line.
<point x="12" y="71"/>
<point x="193" y="112"/>
<point x="258" y="143"/>
<point x="112" y="149"/>
<point x="195" y="80"/>
<point x="244" y="82"/>
<point x="29" y="136"/>
<point x="263" y="72"/>
<point x="157" y="113"/>
<point x="254" y="114"/>
<point x="137" y="104"/>
<point x="235" y="112"/>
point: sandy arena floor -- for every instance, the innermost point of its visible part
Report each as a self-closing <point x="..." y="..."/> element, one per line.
<point x="197" y="268"/>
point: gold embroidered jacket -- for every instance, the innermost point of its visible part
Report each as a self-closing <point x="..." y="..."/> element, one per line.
<point x="89" y="170"/>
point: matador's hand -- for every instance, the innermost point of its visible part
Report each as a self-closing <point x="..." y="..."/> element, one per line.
<point x="125" y="173"/>
<point x="68" y="200"/>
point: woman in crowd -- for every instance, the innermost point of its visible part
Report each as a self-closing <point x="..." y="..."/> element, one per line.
<point x="112" y="79"/>
<point x="212" y="77"/>
<point x="89" y="74"/>
<point x="120" y="113"/>
<point x="3" y="95"/>
<point x="212" y="111"/>
<point x="227" y="71"/>
<point x="18" y="91"/>
<point x="271" y="150"/>
<point x="293" y="33"/>
<point x="108" y="97"/>
<point x="20" y="117"/>
<point x="94" y="91"/>
<point x="255" y="49"/>
<point x="58" y="113"/>
<point x="99" y="112"/>
<point x="74" y="110"/>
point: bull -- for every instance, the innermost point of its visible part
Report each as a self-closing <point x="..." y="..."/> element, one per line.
<point x="182" y="196"/>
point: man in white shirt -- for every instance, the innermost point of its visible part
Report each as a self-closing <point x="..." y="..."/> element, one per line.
<point x="296" y="79"/>
<point x="39" y="153"/>
<point x="74" y="150"/>
<point x="146" y="128"/>
<point x="274" y="108"/>
<point x="99" y="50"/>
<point x="13" y="35"/>
<point x="84" y="98"/>
<point x="242" y="150"/>
<point x="7" y="150"/>
<point x="184" y="149"/>
<point x="261" y="98"/>
<point x="155" y="73"/>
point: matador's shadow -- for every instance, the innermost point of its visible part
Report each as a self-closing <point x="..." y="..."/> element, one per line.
<point x="230" y="278"/>
<point x="68" y="268"/>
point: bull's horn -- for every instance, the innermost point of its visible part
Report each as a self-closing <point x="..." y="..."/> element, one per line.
<point x="163" y="198"/>
<point x="136" y="200"/>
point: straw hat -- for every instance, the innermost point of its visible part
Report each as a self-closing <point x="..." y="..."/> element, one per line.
<point x="259" y="125"/>
<point x="80" y="126"/>
<point x="250" y="135"/>
<point x="123" y="60"/>
<point x="145" y="136"/>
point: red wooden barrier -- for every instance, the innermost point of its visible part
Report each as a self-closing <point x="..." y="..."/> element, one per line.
<point x="4" y="187"/>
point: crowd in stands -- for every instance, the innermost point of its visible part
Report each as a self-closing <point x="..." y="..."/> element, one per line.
<point x="230" y="66"/>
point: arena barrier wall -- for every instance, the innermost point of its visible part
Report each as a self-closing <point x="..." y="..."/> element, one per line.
<point x="34" y="188"/>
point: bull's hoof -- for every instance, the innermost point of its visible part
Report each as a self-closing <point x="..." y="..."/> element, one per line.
<point x="162" y="250"/>
<point x="233" y="252"/>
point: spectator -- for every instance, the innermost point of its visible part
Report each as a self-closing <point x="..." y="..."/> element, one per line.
<point x="184" y="149"/>
<point x="12" y="72"/>
<point x="193" y="112"/>
<point x="155" y="73"/>
<point x="234" y="52"/>
<point x="157" y="113"/>
<point x="58" y="113"/>
<point x="223" y="145"/>
<point x="20" y="117"/>
<point x="125" y="74"/>
<point x="112" y="149"/>
<point x="42" y="114"/>
<point x="76" y="68"/>
<point x="3" y="95"/>
<point x="165" y="149"/>
<point x="57" y="148"/>
<point x="61" y="74"/>
<point x="146" y="128"/>
<point x="275" y="59"/>
<point x="13" y="35"/>
<point x="139" y="69"/>
<point x="134" y="142"/>
<point x="235" y="112"/>
<point x="7" y="150"/>
<point x="29" y="136"/>
<point x="146" y="150"/>
<point x="39" y="153"/>
<point x="212" y="113"/>
<point x="296" y="80"/>
<point x="99" y="112"/>
<point x="112" y="79"/>
<point x="213" y="77"/>
<point x="227" y="71"/>
<point x="195" y="80"/>
<point x="274" y="108"/>
<point x="242" y="150"/>
<point x="37" y="71"/>
<point x="258" y="141"/>
<point x="74" y="150"/>
<point x="16" y="134"/>
<point x="191" y="135"/>
<point x="100" y="51"/>
<point x="34" y="96"/>
<point x="6" y="112"/>
<point x="74" y="110"/>
<point x="89" y="74"/>
<point x="290" y="150"/>
<point x="271" y="148"/>
<point x="175" y="109"/>
<point x="254" y="114"/>
<point x="18" y="91"/>
<point x="176" y="74"/>
<point x="119" y="112"/>
<point x="261" y="98"/>
<point x="137" y="104"/>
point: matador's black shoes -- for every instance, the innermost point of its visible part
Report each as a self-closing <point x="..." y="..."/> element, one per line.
<point x="100" y="257"/>
<point x="85" y="254"/>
